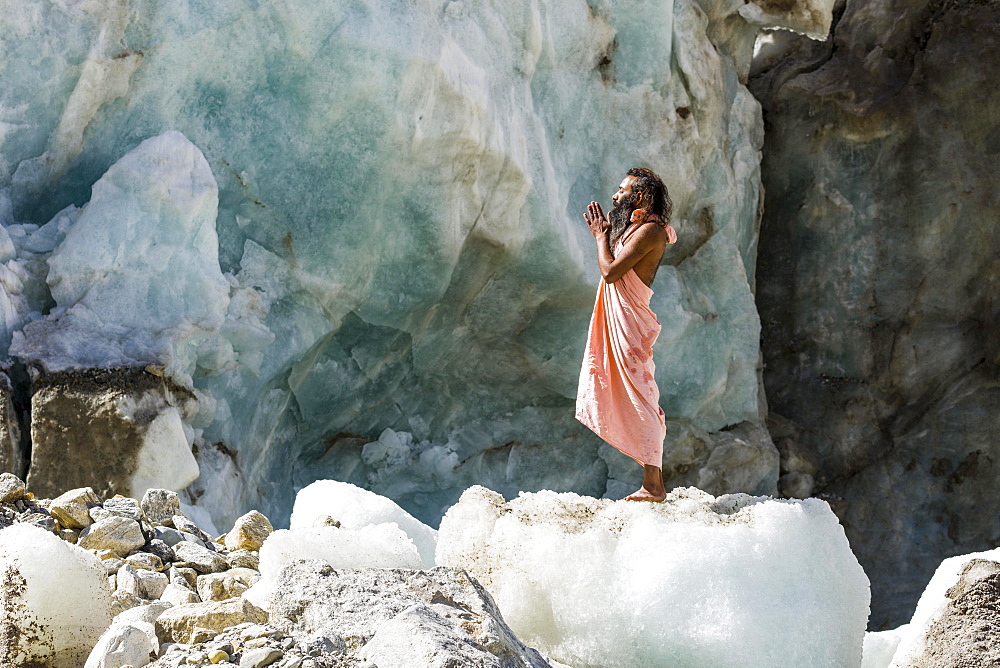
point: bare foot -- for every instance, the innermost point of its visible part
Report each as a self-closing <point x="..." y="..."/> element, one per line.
<point x="645" y="495"/>
<point x="652" y="489"/>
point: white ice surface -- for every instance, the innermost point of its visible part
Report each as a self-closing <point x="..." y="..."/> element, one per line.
<point x="737" y="581"/>
<point x="136" y="278"/>
<point x="54" y="594"/>
<point x="165" y="459"/>
<point x="372" y="546"/>
<point x="356" y="508"/>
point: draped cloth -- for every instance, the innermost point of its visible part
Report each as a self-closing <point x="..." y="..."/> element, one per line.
<point x="617" y="397"/>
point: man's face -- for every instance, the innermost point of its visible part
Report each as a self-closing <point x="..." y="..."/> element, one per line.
<point x="625" y="196"/>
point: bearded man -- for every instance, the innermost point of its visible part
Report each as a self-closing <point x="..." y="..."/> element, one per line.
<point x="617" y="397"/>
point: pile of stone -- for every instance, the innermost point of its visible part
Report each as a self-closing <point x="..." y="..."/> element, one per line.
<point x="174" y="596"/>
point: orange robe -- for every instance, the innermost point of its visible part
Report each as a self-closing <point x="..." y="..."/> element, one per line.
<point x="617" y="397"/>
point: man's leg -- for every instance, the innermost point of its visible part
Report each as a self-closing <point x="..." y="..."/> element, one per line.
<point x="652" y="486"/>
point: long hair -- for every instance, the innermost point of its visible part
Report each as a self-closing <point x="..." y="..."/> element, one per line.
<point x="654" y="192"/>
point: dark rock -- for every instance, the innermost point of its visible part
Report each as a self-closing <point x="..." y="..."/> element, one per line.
<point x="877" y="278"/>
<point x="80" y="436"/>
<point x="160" y="549"/>
<point x="13" y="454"/>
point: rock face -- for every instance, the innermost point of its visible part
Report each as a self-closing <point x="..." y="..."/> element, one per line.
<point x="13" y="457"/>
<point x="117" y="430"/>
<point x="447" y="613"/>
<point x="256" y="281"/>
<point x="877" y="279"/>
<point x="691" y="581"/>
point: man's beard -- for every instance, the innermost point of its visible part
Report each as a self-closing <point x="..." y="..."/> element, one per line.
<point x="621" y="216"/>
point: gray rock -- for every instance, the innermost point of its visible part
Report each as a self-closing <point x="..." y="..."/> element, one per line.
<point x="160" y="505"/>
<point x="199" y="558"/>
<point x="122" y="601"/>
<point x="310" y="597"/>
<point x="178" y="623"/>
<point x="966" y="631"/>
<point x="178" y="595"/>
<point x="321" y="645"/>
<point x="11" y="488"/>
<point x="40" y="520"/>
<point x="72" y="508"/>
<point x="260" y="657"/>
<point x="128" y="581"/>
<point x="118" y="534"/>
<point x="796" y="485"/>
<point x="144" y="560"/>
<point x="183" y="524"/>
<point x="877" y="275"/>
<point x="111" y="566"/>
<point x="151" y="583"/>
<point x="160" y="549"/>
<point x="147" y="612"/>
<point x="124" y="507"/>
<point x="97" y="513"/>
<point x="172" y="536"/>
<point x="123" y="644"/>
<point x="186" y="577"/>
<point x="420" y="636"/>
<point x="249" y="532"/>
<point x="243" y="559"/>
<point x="227" y="584"/>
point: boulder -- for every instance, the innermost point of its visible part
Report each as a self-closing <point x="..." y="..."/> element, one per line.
<point x="127" y="581"/>
<point x="54" y="599"/>
<point x="184" y="525"/>
<point x="160" y="505"/>
<point x="200" y="558"/>
<point x="420" y="636"/>
<point x="125" y="507"/>
<point x="227" y="584"/>
<point x="11" y="488"/>
<point x="121" y="535"/>
<point x="72" y="508"/>
<point x="178" y="595"/>
<point x="145" y="560"/>
<point x="243" y="559"/>
<point x="129" y="641"/>
<point x="249" y="532"/>
<point x="118" y="430"/>
<point x="178" y="623"/>
<point x="311" y="598"/>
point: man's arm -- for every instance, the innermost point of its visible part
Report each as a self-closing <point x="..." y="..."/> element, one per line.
<point x="643" y="241"/>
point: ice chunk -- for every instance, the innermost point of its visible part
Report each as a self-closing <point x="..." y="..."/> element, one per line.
<point x="54" y="599"/>
<point x="137" y="277"/>
<point x="355" y="508"/>
<point x="696" y="581"/>
<point x="371" y="546"/>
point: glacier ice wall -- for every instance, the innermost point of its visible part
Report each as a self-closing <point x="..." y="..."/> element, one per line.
<point x="404" y="279"/>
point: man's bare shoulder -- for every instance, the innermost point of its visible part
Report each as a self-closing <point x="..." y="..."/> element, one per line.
<point x="649" y="234"/>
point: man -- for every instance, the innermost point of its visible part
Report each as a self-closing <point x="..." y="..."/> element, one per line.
<point x="617" y="397"/>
